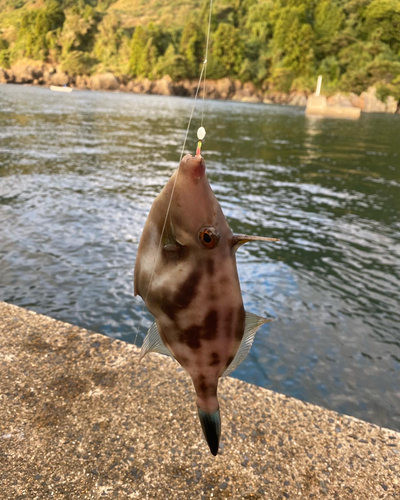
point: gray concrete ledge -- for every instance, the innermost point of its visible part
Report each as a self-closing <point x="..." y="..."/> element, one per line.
<point x="80" y="418"/>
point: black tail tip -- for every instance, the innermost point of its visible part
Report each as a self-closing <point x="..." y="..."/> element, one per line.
<point x="211" y="425"/>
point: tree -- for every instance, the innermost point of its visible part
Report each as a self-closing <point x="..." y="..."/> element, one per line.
<point x="261" y="19"/>
<point x="192" y="48"/>
<point x="227" y="51"/>
<point x="137" y="62"/>
<point x="77" y="63"/>
<point x="382" y="17"/>
<point x="172" y="64"/>
<point x="79" y="30"/>
<point x="4" y="54"/>
<point x="328" y="19"/>
<point x="38" y="31"/>
<point x="293" y="43"/>
<point x="109" y="41"/>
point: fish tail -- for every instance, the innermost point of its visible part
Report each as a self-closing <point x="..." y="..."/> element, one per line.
<point x="211" y="425"/>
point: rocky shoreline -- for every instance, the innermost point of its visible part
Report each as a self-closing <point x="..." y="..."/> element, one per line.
<point x="226" y="89"/>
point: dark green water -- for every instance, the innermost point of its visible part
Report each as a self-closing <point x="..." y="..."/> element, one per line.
<point x="78" y="173"/>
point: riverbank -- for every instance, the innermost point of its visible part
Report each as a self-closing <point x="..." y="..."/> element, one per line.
<point x="81" y="418"/>
<point x="225" y="89"/>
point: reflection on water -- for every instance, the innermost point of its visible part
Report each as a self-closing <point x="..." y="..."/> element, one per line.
<point x="78" y="174"/>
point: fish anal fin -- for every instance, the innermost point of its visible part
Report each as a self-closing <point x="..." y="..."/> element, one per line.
<point x="153" y="343"/>
<point x="252" y="324"/>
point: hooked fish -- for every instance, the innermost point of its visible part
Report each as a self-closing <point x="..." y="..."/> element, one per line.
<point x="190" y="284"/>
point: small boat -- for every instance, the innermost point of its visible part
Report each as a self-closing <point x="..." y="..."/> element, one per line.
<point x="57" y="88"/>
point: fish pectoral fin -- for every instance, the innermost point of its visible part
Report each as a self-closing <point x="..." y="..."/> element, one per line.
<point x="253" y="323"/>
<point x="241" y="239"/>
<point x="153" y="343"/>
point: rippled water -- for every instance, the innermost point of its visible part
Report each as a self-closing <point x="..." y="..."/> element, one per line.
<point x="78" y="174"/>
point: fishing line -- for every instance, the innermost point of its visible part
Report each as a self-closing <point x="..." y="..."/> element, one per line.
<point x="200" y="134"/>
<point x="206" y="59"/>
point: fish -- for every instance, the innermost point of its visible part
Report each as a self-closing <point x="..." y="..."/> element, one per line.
<point x="186" y="273"/>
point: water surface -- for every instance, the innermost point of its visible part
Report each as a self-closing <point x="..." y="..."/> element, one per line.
<point x="78" y="174"/>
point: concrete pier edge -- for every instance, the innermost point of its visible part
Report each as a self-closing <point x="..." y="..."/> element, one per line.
<point x="80" y="418"/>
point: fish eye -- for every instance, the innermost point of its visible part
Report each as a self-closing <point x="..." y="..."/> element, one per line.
<point x="208" y="237"/>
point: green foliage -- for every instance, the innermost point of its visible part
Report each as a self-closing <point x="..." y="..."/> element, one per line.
<point x="260" y="20"/>
<point x="227" y="51"/>
<point x="330" y="70"/>
<point x="110" y="41"/>
<point x="283" y="44"/>
<point x="328" y="20"/>
<point x="281" y="78"/>
<point x="77" y="63"/>
<point x="171" y="64"/>
<point x="138" y="64"/>
<point x="4" y="54"/>
<point x="192" y="48"/>
<point x="79" y="29"/>
<point x="293" y="42"/>
<point x="148" y="45"/>
<point x="382" y="92"/>
<point x="383" y="20"/>
<point x="38" y="30"/>
<point x="15" y="4"/>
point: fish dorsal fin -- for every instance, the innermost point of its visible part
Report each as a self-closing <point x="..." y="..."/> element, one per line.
<point x="253" y="323"/>
<point x="153" y="343"/>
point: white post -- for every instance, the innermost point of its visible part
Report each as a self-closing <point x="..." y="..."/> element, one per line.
<point x="319" y="82"/>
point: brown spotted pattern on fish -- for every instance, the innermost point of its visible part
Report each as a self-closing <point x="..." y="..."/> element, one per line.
<point x="195" y="292"/>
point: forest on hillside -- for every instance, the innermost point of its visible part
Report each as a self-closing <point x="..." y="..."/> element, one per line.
<point x="276" y="44"/>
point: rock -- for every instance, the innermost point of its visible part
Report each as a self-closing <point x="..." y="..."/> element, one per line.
<point x="211" y="90"/>
<point x="248" y="93"/>
<point x="3" y="76"/>
<point x="298" y="99"/>
<point x="267" y="101"/>
<point x="277" y="97"/>
<point x="391" y="105"/>
<point x="138" y="86"/>
<point x="180" y="89"/>
<point x="104" y="81"/>
<point x="340" y="99"/>
<point x="47" y="74"/>
<point x="129" y="86"/>
<point x="82" y="82"/>
<point x="237" y="84"/>
<point x="225" y="88"/>
<point x="22" y="73"/>
<point x="163" y="86"/>
<point x="355" y="100"/>
<point x="370" y="103"/>
<point x="190" y="86"/>
<point x="147" y="86"/>
<point x="59" y="78"/>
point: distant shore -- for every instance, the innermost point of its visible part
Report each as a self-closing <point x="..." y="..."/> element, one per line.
<point x="42" y="74"/>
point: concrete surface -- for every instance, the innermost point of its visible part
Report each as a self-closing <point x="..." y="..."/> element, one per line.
<point x="81" y="419"/>
<point x="318" y="105"/>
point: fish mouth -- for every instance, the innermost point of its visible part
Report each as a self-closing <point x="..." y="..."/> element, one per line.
<point x="194" y="166"/>
<point x="211" y="425"/>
